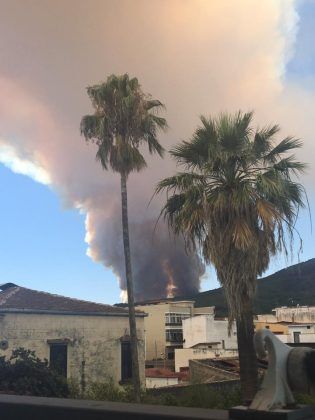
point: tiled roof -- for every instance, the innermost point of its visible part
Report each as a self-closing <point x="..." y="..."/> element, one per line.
<point x="13" y="297"/>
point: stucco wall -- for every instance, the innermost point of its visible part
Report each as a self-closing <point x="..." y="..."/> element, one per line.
<point x="94" y="349"/>
<point x="206" y="329"/>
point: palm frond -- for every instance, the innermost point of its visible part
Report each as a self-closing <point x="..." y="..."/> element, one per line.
<point x="124" y="119"/>
<point x="285" y="145"/>
<point x="236" y="201"/>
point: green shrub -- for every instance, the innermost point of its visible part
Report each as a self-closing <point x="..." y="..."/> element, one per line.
<point x="104" y="391"/>
<point x="305" y="399"/>
<point x="26" y="374"/>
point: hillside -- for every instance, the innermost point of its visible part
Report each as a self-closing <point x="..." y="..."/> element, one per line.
<point x="290" y="286"/>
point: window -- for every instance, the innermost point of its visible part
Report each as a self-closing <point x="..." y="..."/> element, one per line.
<point x="58" y="358"/>
<point x="175" y="336"/>
<point x="308" y="327"/>
<point x="126" y="363"/>
<point x="171" y="355"/>
<point x="172" y="318"/>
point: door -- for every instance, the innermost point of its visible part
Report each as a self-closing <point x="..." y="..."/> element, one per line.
<point x="296" y="336"/>
<point x="58" y="358"/>
<point x="126" y="364"/>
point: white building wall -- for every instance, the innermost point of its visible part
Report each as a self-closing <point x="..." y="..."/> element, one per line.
<point x="206" y="329"/>
<point x="306" y="335"/>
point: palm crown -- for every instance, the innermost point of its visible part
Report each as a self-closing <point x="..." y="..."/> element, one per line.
<point x="236" y="200"/>
<point x="124" y="118"/>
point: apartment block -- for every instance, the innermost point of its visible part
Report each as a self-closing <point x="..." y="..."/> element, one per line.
<point x="163" y="326"/>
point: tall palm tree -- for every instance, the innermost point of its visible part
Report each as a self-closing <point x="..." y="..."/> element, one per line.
<point x="237" y="202"/>
<point x="124" y="119"/>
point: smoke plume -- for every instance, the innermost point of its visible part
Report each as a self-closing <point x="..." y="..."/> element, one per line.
<point x="196" y="56"/>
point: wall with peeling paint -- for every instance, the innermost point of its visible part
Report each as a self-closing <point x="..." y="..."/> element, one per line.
<point x="94" y="346"/>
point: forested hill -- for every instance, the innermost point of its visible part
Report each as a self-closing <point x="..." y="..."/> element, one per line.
<point x="290" y="286"/>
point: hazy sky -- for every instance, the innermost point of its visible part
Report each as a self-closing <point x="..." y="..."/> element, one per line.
<point x="196" y="56"/>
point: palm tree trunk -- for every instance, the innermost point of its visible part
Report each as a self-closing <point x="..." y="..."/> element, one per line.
<point x="131" y="301"/>
<point x="247" y="354"/>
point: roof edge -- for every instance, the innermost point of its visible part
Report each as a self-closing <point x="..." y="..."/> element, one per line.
<point x="55" y="312"/>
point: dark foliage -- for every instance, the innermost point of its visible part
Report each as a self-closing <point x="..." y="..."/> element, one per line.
<point x="289" y="287"/>
<point x="26" y="374"/>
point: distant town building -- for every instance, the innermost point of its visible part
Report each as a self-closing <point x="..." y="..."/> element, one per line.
<point x="292" y="325"/>
<point x="278" y="328"/>
<point x="206" y="330"/>
<point x="84" y="341"/>
<point x="297" y="314"/>
<point x="205" y="337"/>
<point x="163" y="325"/>
<point x="299" y="334"/>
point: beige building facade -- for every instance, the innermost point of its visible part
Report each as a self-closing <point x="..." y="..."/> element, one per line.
<point x="86" y="341"/>
<point x="163" y="326"/>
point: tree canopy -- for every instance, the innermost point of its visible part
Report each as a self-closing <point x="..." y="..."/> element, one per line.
<point x="237" y="199"/>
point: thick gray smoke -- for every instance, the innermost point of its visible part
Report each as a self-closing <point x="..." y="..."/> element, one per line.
<point x="196" y="56"/>
<point x="161" y="267"/>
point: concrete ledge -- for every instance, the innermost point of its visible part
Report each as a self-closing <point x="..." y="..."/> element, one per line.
<point x="301" y="412"/>
<point x="14" y="407"/>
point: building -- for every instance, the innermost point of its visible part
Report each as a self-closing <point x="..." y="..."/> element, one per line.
<point x="297" y="314"/>
<point x="205" y="329"/>
<point x="293" y="325"/>
<point x="299" y="335"/>
<point x="205" y="337"/>
<point x="85" y="341"/>
<point x="278" y="328"/>
<point x="163" y="325"/>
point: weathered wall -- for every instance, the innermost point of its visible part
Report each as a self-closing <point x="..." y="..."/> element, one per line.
<point x="94" y="349"/>
<point x="300" y="314"/>
<point x="266" y="318"/>
<point x="200" y="372"/>
<point x="182" y="356"/>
